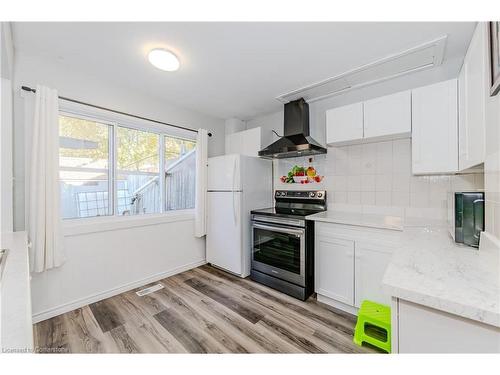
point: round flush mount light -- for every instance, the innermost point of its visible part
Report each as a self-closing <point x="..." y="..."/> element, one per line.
<point x="163" y="59"/>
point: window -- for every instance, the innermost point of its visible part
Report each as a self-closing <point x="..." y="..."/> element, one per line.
<point x="138" y="172"/>
<point x="180" y="177"/>
<point x="110" y="169"/>
<point x="84" y="167"/>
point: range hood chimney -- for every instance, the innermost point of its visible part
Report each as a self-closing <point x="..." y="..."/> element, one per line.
<point x="296" y="140"/>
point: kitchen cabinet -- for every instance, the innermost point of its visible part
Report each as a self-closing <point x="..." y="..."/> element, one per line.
<point x="371" y="260"/>
<point x="388" y="116"/>
<point x="472" y="95"/>
<point x="344" y="124"/>
<point x="335" y="268"/>
<point x="350" y="263"/>
<point x="246" y="142"/>
<point x="421" y="329"/>
<point x="435" y="128"/>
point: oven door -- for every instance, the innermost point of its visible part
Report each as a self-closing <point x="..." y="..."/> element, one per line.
<point x="279" y="251"/>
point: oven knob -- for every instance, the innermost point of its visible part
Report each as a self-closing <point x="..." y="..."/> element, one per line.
<point x="320" y="195"/>
<point x="312" y="194"/>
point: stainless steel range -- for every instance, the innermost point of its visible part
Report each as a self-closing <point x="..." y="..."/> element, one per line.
<point x="283" y="242"/>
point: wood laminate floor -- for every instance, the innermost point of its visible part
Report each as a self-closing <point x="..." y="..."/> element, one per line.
<point x="203" y="310"/>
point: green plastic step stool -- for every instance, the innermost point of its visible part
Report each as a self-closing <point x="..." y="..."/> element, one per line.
<point x="374" y="325"/>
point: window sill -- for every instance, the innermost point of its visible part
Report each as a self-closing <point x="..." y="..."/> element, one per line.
<point x="74" y="227"/>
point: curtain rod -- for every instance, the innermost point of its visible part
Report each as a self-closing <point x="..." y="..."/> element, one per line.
<point x="26" y="88"/>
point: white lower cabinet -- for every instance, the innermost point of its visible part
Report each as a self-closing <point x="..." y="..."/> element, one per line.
<point x="421" y="329"/>
<point x="335" y="269"/>
<point x="370" y="262"/>
<point x="350" y="263"/>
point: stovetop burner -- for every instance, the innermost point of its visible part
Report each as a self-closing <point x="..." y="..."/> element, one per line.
<point x="295" y="204"/>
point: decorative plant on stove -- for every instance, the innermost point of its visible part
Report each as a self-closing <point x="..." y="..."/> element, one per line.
<point x="301" y="175"/>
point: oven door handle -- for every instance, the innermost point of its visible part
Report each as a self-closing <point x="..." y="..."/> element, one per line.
<point x="298" y="232"/>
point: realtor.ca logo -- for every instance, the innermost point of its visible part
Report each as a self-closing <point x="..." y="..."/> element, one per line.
<point x="37" y="349"/>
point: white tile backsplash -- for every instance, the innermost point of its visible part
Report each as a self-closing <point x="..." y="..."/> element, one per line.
<point x="379" y="175"/>
<point x="354" y="197"/>
<point x="354" y="183"/>
<point x="368" y="182"/>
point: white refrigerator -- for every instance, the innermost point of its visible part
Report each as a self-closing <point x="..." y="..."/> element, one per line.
<point x="237" y="184"/>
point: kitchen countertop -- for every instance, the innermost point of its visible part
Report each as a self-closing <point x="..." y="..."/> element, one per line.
<point x="364" y="219"/>
<point x="429" y="268"/>
<point x="432" y="270"/>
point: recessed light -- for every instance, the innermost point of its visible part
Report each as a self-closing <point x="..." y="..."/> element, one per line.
<point x="163" y="59"/>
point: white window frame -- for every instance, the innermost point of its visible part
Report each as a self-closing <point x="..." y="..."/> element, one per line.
<point x="114" y="120"/>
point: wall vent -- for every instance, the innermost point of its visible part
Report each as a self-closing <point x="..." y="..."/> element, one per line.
<point x="424" y="56"/>
<point x="149" y="290"/>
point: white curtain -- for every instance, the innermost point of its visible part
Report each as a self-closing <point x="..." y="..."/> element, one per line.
<point x="200" y="224"/>
<point x="44" y="221"/>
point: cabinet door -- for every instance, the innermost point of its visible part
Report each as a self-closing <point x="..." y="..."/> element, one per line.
<point x="473" y="94"/>
<point x="462" y="110"/>
<point x="334" y="258"/>
<point x="388" y="116"/>
<point x="435" y="128"/>
<point x="370" y="263"/>
<point x="425" y="330"/>
<point x="251" y="142"/>
<point x="344" y="124"/>
<point x="233" y="143"/>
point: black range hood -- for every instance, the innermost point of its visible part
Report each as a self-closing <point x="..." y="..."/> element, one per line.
<point x="296" y="140"/>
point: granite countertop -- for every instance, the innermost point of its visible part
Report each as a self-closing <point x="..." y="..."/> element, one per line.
<point x="432" y="270"/>
<point x="364" y="219"/>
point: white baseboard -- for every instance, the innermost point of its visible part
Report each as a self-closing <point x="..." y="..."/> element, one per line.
<point x="336" y="304"/>
<point x="70" y="306"/>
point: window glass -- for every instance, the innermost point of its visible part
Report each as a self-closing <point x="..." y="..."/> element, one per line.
<point x="138" y="178"/>
<point x="84" y="168"/>
<point x="180" y="173"/>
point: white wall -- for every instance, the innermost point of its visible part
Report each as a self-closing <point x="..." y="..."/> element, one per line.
<point x="6" y="118"/>
<point x="107" y="262"/>
<point x="104" y="263"/>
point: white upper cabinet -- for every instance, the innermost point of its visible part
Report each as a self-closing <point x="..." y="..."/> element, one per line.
<point x="344" y="124"/>
<point x="246" y="142"/>
<point x="388" y="116"/>
<point x="472" y="92"/>
<point x="435" y="128"/>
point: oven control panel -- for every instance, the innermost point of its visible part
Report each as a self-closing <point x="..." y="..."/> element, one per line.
<point x="300" y="194"/>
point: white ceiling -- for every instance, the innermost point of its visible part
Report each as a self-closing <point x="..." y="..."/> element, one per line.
<point x="229" y="69"/>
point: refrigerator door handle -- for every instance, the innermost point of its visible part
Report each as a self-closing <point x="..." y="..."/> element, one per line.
<point x="234" y="187"/>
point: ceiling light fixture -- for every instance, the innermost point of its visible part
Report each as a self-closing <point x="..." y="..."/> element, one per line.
<point x="163" y="59"/>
